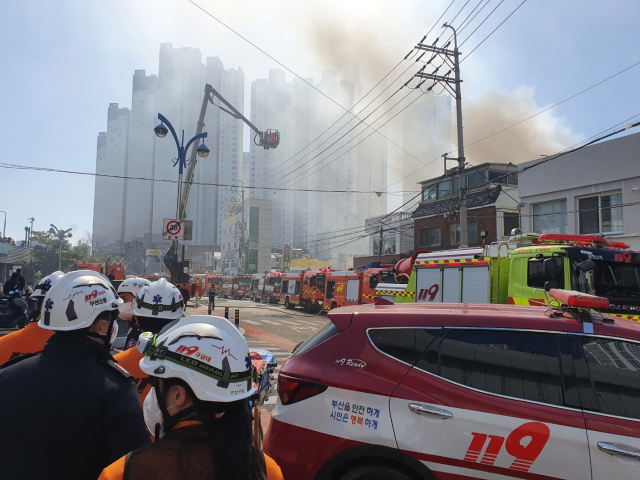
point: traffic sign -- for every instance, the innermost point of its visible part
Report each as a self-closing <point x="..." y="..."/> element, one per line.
<point x="173" y="229"/>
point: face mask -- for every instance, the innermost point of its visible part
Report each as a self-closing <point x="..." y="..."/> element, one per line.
<point x="114" y="332"/>
<point x="152" y="412"/>
<point x="126" y="311"/>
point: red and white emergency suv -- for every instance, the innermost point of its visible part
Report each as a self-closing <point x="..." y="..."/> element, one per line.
<point x="462" y="391"/>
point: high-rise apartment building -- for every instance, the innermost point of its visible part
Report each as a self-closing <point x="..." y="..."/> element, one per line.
<point x="302" y="217"/>
<point x="134" y="207"/>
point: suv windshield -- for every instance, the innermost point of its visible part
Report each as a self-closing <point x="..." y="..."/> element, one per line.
<point x="608" y="279"/>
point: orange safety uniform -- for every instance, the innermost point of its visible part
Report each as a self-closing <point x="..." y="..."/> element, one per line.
<point x="116" y="470"/>
<point x="130" y="361"/>
<point x="30" y="339"/>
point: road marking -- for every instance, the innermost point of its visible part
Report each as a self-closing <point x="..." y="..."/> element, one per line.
<point x="271" y="322"/>
<point x="287" y="321"/>
<point x="251" y="322"/>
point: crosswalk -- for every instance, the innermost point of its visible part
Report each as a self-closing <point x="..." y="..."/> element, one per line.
<point x="281" y="355"/>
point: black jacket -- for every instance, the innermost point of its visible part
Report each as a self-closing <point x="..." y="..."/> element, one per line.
<point x="67" y="413"/>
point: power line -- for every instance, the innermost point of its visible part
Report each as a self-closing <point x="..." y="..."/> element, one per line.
<point x="485" y="38"/>
<point x="481" y="23"/>
<point x="296" y="75"/>
<point x="126" y="177"/>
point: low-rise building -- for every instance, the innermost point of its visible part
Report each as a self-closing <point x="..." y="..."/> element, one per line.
<point x="595" y="190"/>
<point x="492" y="208"/>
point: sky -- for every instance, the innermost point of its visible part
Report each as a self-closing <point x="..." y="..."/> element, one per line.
<point x="64" y="62"/>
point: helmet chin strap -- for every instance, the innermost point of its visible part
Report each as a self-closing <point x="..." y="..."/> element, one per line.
<point x="106" y="338"/>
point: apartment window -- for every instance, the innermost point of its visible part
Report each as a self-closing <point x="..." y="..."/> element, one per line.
<point x="388" y="245"/>
<point x="428" y="193"/>
<point x="600" y="214"/>
<point x="550" y="217"/>
<point x="472" y="232"/>
<point x="475" y="179"/>
<point x="430" y="237"/>
<point x="497" y="177"/>
<point x="444" y="189"/>
<point x="510" y="221"/>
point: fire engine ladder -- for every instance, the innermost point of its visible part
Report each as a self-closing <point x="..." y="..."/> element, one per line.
<point x="494" y="274"/>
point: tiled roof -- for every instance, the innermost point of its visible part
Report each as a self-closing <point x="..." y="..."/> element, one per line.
<point x="474" y="199"/>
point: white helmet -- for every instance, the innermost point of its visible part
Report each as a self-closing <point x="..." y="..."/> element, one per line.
<point x="41" y="289"/>
<point x="159" y="299"/>
<point x="76" y="300"/>
<point x="211" y="356"/>
<point x="133" y="285"/>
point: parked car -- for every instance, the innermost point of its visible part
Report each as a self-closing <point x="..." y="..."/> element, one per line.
<point x="448" y="391"/>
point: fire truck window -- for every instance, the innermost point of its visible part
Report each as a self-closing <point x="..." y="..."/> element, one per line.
<point x="613" y="367"/>
<point x="312" y="281"/>
<point x="285" y="285"/>
<point x="373" y="281"/>
<point x="405" y="344"/>
<point x="535" y="275"/>
<point x="306" y="280"/>
<point x="331" y="285"/>
<point x="277" y="281"/>
<point x="512" y="363"/>
<point x="321" y="279"/>
<point x="387" y="277"/>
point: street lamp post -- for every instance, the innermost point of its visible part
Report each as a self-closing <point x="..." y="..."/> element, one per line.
<point x="161" y="131"/>
<point x="62" y="234"/>
<point x="4" y="229"/>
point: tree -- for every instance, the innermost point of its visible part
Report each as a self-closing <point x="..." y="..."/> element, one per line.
<point x="46" y="250"/>
<point x="96" y="243"/>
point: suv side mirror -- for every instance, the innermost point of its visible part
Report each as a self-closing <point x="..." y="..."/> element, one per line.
<point x="587" y="265"/>
<point x="549" y="268"/>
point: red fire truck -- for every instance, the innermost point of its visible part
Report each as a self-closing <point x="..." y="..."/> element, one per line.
<point x="269" y="288"/>
<point x="343" y="288"/>
<point x="236" y="286"/>
<point x="313" y="285"/>
<point x="214" y="279"/>
<point x="291" y="287"/>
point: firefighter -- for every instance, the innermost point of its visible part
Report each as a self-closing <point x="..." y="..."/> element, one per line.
<point x="198" y="409"/>
<point x="70" y="411"/>
<point x="212" y="296"/>
<point x="32" y="338"/>
<point x="127" y="291"/>
<point x="155" y="305"/>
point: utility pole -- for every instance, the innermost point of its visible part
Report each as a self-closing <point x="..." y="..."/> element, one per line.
<point x="30" y="231"/>
<point x="456" y="92"/>
<point x="380" y="245"/>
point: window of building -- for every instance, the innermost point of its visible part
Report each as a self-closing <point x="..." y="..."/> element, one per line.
<point x="516" y="364"/>
<point x="513" y="179"/>
<point x="388" y="245"/>
<point x="535" y="275"/>
<point x="472" y="233"/>
<point x="404" y="344"/>
<point x="497" y="177"/>
<point x="476" y="178"/>
<point x="430" y="237"/>
<point x="510" y="221"/>
<point x="550" y="217"/>
<point x="613" y="367"/>
<point x="600" y="214"/>
<point x="444" y="189"/>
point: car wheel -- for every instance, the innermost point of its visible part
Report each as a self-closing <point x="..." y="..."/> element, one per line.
<point x="334" y="305"/>
<point x="376" y="472"/>
<point x="307" y="306"/>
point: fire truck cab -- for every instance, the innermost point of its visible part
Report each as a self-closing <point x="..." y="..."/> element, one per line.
<point x="313" y="285"/>
<point x="269" y="288"/>
<point x="291" y="288"/>
<point x="374" y="276"/>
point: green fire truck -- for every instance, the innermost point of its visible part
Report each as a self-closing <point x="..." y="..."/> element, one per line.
<point x="517" y="272"/>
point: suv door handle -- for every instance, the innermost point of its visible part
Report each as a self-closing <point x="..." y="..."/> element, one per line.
<point x="421" y="409"/>
<point x="613" y="449"/>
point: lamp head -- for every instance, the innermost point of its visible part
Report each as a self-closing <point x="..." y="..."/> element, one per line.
<point x="161" y="130"/>
<point x="51" y="230"/>
<point x="203" y="151"/>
